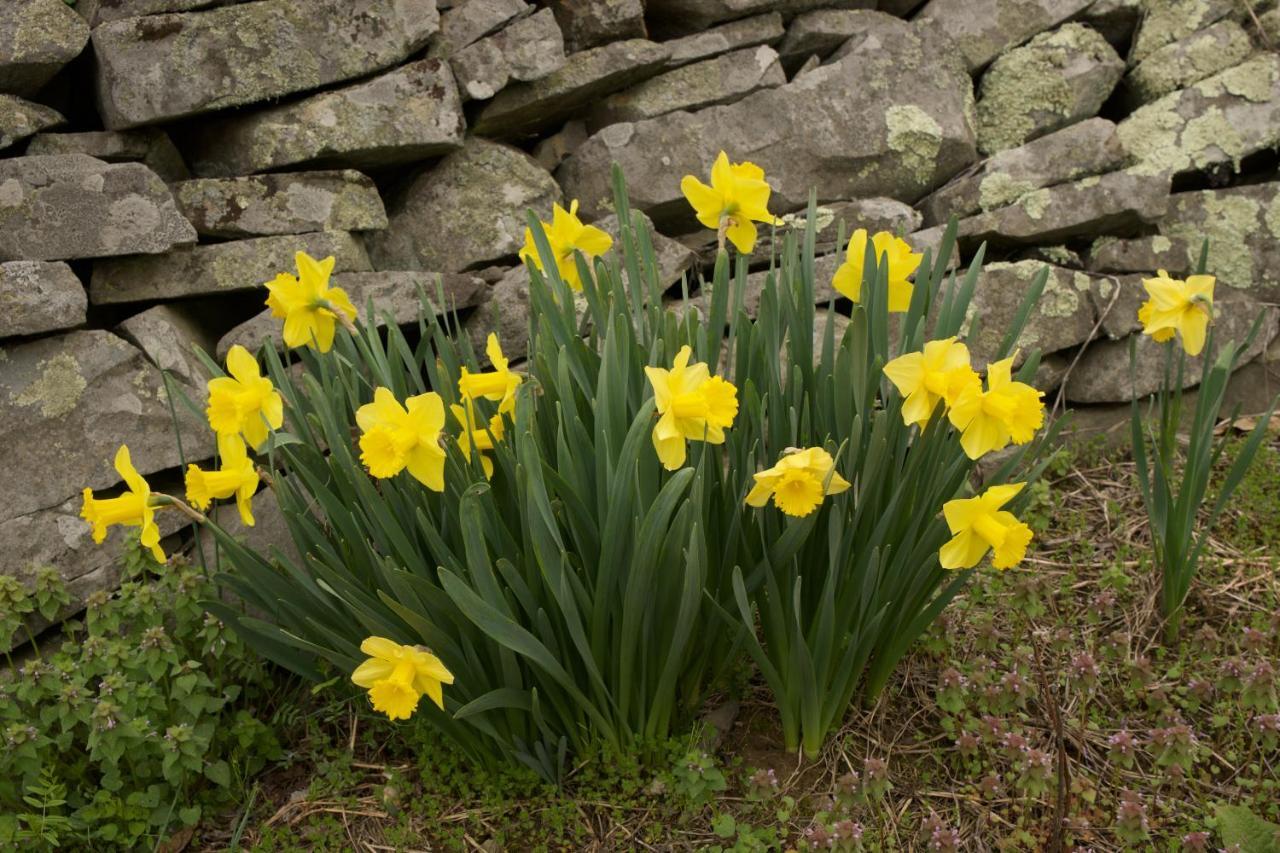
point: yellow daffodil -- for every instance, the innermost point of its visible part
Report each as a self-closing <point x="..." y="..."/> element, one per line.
<point x="236" y="477"/>
<point x="309" y="307"/>
<point x="397" y="676"/>
<point x="692" y="405"/>
<point x="979" y="525"/>
<point x="799" y="482"/>
<point x="498" y="385"/>
<point x="939" y="373"/>
<point x="892" y="252"/>
<point x="1178" y="307"/>
<point x="475" y="435"/>
<point x="134" y="508"/>
<point x="566" y="234"/>
<point x="737" y="199"/>
<point x="244" y="403"/>
<point x="398" y="437"/>
<point x="1006" y="411"/>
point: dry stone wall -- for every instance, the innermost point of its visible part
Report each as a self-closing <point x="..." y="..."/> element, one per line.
<point x="161" y="159"/>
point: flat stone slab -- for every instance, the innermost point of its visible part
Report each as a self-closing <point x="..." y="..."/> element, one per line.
<point x="168" y="335"/>
<point x="527" y="49"/>
<point x="393" y="292"/>
<point x="20" y="119"/>
<point x="218" y="268"/>
<point x="591" y="23"/>
<point x="149" y="146"/>
<point x="68" y="401"/>
<point x="281" y="203"/>
<point x="38" y="297"/>
<point x="1242" y="225"/>
<point x="735" y="35"/>
<point x="37" y="38"/>
<point x="163" y="67"/>
<point x="1167" y="21"/>
<point x="471" y="21"/>
<point x="408" y="114"/>
<point x="100" y="11"/>
<point x="1139" y="255"/>
<point x="65" y="206"/>
<point x="983" y="29"/>
<point x="683" y="17"/>
<point x="1186" y="61"/>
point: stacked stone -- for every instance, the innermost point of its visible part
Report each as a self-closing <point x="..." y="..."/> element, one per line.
<point x="161" y="159"/>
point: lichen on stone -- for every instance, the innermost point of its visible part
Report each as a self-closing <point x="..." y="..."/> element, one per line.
<point x="1035" y="203"/>
<point x="1227" y="222"/>
<point x="58" y="389"/>
<point x="1161" y="243"/>
<point x="917" y="137"/>
<point x="999" y="189"/>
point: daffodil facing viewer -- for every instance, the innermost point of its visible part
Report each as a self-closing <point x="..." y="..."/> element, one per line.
<point x="891" y="252"/>
<point x="398" y="676"/>
<point x="244" y="403"/>
<point x="1178" y="307"/>
<point x="737" y="199"/>
<point x="692" y="405"/>
<point x="134" y="508"/>
<point x="498" y="385"/>
<point x="310" y="308"/>
<point x="566" y="234"/>
<point x="397" y="437"/>
<point x="1006" y="411"/>
<point x="938" y="373"/>
<point x="799" y="482"/>
<point x="980" y="524"/>
<point x="236" y="477"/>
<point x="476" y="435"/>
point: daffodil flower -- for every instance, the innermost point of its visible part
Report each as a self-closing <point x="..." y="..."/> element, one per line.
<point x="475" y="436"/>
<point x="398" y="676"/>
<point x="134" y="508"/>
<point x="938" y="373"/>
<point x="498" y="385"/>
<point x="979" y="525"/>
<point x="737" y="199"/>
<point x="566" y="234"/>
<point x="1006" y="411"/>
<point x="310" y="308"/>
<point x="397" y="437"/>
<point x="892" y="252"/>
<point x="236" y="477"/>
<point x="244" y="403"/>
<point x="798" y="483"/>
<point x="692" y="405"/>
<point x="1178" y="307"/>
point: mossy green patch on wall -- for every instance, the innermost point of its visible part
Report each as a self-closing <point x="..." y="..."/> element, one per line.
<point x="58" y="388"/>
<point x="915" y="135"/>
<point x="999" y="189"/>
<point x="1227" y="222"/>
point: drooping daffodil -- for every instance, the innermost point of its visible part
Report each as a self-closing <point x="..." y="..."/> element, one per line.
<point x="938" y="373"/>
<point x="979" y="525"/>
<point x="799" y="482"/>
<point x="310" y="308"/>
<point x="498" y="385"/>
<point x="397" y="437"/>
<point x="566" y="234"/>
<point x="244" y="403"/>
<point x="477" y="436"/>
<point x="1006" y="411"/>
<point x="892" y="252"/>
<point x="692" y="405"/>
<point x="737" y="199"/>
<point x="134" y="508"/>
<point x="1178" y="307"/>
<point x="235" y="477"/>
<point x="397" y="676"/>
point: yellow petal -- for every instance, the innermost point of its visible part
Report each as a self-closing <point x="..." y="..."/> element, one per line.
<point x="741" y="233"/>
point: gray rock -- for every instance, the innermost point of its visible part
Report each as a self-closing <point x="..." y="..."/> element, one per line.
<point x="1103" y="374"/>
<point x="892" y="118"/>
<point x="735" y="35"/>
<point x="983" y="29"/>
<point x="1221" y="119"/>
<point x="218" y="268"/>
<point x="528" y="49"/>
<point x="270" y="531"/>
<point x="281" y="203"/>
<point x="1097" y="205"/>
<point x="149" y="146"/>
<point x="63" y="206"/>
<point x="720" y="80"/>
<point x="163" y="67"/>
<point x="1189" y="60"/>
<point x="554" y="149"/>
<point x="819" y="32"/>
<point x="1063" y="318"/>
<point x="37" y="37"/>
<point x="68" y="401"/>
<point x="1116" y="20"/>
<point x="899" y="8"/>
<point x="1056" y="79"/>
<point x="168" y="336"/>
<point x="1117" y="299"/>
<point x="471" y="21"/>
<point x="100" y="11"/>
<point x="1242" y="225"/>
<point x="1140" y="255"/>
<point x="20" y="119"/>
<point x="408" y="114"/>
<point x="38" y="297"/>
<point x="1090" y="147"/>
<point x="468" y="209"/>
<point x="592" y="23"/>
<point x="1168" y="21"/>
<point x="527" y="108"/>
<point x="682" y="17"/>
<point x="396" y="293"/>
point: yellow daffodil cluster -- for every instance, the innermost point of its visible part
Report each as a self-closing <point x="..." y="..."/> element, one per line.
<point x="1176" y="307"/>
<point x="692" y="405"/>
<point x="398" y="676"/>
<point x="799" y="482"/>
<point x="893" y="253"/>
<point x="737" y="199"/>
<point x="566" y="234"/>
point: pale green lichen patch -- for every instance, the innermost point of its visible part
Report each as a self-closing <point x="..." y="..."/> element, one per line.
<point x="1253" y="80"/>
<point x="1161" y="243"/>
<point x="1182" y="63"/>
<point x="1227" y="222"/>
<point x="917" y="137"/>
<point x="58" y="388"/>
<point x="1272" y="216"/>
<point x="1059" y="300"/>
<point x="1034" y="204"/>
<point x="999" y="189"/>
